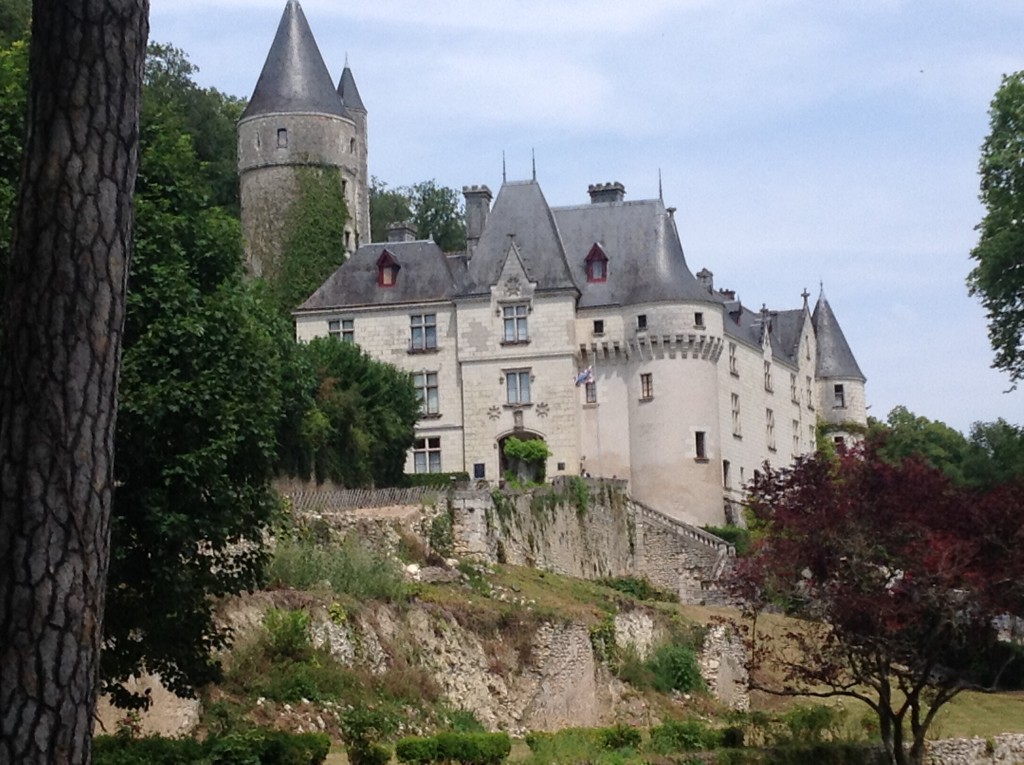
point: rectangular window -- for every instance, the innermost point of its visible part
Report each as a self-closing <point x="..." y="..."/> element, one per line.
<point x="794" y="396"/>
<point x="733" y="369"/>
<point x="426" y="390"/>
<point x="591" y="392"/>
<point x="768" y="376"/>
<point x="769" y="428"/>
<point x="812" y="438"/>
<point x="810" y="393"/>
<point x="423" y="332"/>
<point x="343" y="329"/>
<point x="726" y="478"/>
<point x="646" y="385"/>
<point x="517" y="386"/>
<point x="641" y="322"/>
<point x="426" y="455"/>
<point x="796" y="438"/>
<point x="479" y="470"/>
<point x="515" y="323"/>
<point x="840" y="397"/>
<point x="698" y="320"/>
<point x="700" y="445"/>
<point x="282" y="138"/>
<point x="736" y="414"/>
<point x="598" y="326"/>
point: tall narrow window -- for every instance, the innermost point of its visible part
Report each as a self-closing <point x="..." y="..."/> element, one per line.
<point x="796" y="438"/>
<point x="426" y="455"/>
<point x="726" y="478"/>
<point x="735" y="399"/>
<point x="733" y="369"/>
<point x="840" y="397"/>
<point x="514" y="317"/>
<point x="698" y="320"/>
<point x="793" y="394"/>
<point x="810" y="393"/>
<point x="591" y="392"/>
<point x="517" y="386"/>
<point x="768" y="376"/>
<point x="597" y="265"/>
<point x="425" y="384"/>
<point x="769" y="427"/>
<point x="282" y="138"/>
<point x="423" y="332"/>
<point x="700" y="445"/>
<point x="646" y="386"/>
<point x="387" y="267"/>
<point x="641" y="322"/>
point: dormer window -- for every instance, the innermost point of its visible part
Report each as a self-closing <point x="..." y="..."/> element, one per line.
<point x="597" y="265"/>
<point x="387" y="270"/>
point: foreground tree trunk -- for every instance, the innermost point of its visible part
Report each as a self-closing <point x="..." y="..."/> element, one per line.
<point x="62" y="323"/>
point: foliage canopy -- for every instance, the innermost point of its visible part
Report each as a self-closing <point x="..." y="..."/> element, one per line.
<point x="435" y="210"/>
<point x="902" y="576"/>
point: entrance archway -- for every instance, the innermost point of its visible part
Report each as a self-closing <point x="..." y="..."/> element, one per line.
<point x="521" y="470"/>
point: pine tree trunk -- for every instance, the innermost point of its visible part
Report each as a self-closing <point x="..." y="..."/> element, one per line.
<point x="62" y="323"/>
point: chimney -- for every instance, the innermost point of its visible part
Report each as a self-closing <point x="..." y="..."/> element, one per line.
<point x="706" y="279"/>
<point x="478" y="205"/>
<point x="606" y="192"/>
<point x="403" y="231"/>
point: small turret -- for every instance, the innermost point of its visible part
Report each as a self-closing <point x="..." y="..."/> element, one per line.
<point x="840" y="382"/>
<point x="357" y="157"/>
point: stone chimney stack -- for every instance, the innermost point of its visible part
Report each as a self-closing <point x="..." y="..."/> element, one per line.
<point x="606" y="192"/>
<point x="706" y="279"/>
<point x="478" y="205"/>
<point x="402" y="231"/>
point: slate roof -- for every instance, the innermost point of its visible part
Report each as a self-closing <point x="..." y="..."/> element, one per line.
<point x="294" y="78"/>
<point x="522" y="213"/>
<point x="424" y="275"/>
<point x="349" y="92"/>
<point x="645" y="257"/>
<point x="835" y="359"/>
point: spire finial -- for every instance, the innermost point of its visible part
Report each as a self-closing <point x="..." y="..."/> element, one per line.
<point x="533" y="158"/>
<point x="661" y="195"/>
<point x="504" y="175"/>
<point x="346" y="59"/>
<point x="805" y="294"/>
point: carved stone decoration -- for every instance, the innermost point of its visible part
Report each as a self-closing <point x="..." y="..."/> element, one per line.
<point x="517" y="419"/>
<point x="542" y="409"/>
<point x="513" y="288"/>
<point x="494" y="412"/>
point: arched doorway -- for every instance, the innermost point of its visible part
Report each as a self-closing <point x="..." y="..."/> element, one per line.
<point x="519" y="466"/>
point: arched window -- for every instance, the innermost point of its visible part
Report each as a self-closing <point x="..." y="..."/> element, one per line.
<point x="597" y="265"/>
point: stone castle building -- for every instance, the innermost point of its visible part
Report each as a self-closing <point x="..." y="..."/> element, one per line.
<point x="581" y="325"/>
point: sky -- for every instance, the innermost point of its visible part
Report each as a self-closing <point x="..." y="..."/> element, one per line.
<point x="806" y="144"/>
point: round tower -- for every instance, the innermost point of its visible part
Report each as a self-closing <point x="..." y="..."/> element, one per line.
<point x="294" y="120"/>
<point x="841" y="400"/>
<point x="357" y="179"/>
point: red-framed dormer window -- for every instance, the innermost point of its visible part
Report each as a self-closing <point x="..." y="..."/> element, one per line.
<point x="597" y="265"/>
<point x="387" y="270"/>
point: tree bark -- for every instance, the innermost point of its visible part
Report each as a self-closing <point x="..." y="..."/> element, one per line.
<point x="63" y="320"/>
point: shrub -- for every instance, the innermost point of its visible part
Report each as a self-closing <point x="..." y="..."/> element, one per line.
<point x="737" y="536"/>
<point x="812" y="723"/>
<point x="675" y="668"/>
<point x="246" y="746"/>
<point x="620" y="736"/>
<point x="686" y="736"/>
<point x="350" y="567"/>
<point x="639" y="588"/>
<point x="286" y="635"/>
<point x="416" y="751"/>
<point x="529" y="450"/>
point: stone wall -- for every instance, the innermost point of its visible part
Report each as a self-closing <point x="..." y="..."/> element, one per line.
<point x="1004" y="750"/>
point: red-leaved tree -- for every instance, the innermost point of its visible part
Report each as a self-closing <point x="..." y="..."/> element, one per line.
<point x="903" y="581"/>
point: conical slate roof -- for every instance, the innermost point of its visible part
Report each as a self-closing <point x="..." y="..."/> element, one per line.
<point x="520" y="214"/>
<point x="835" y="359"/>
<point x="349" y="92"/>
<point x="294" y="78"/>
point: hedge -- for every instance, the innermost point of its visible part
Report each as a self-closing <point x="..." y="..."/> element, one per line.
<point x="449" y="747"/>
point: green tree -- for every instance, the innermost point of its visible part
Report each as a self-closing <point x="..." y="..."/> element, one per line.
<point x="63" y="315"/>
<point x="995" y="454"/>
<point x="314" y="238"/>
<point x="905" y="434"/>
<point x="15" y="20"/>
<point x="998" y="278"/>
<point x="387" y="206"/>
<point x="359" y="422"/>
<point x="13" y="95"/>
<point x="436" y="211"/>
<point x="200" y="401"/>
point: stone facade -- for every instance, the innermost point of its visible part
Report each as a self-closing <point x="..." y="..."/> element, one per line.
<point x="680" y="390"/>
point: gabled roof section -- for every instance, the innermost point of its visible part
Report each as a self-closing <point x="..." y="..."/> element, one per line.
<point x="645" y="257"/>
<point x="786" y="329"/>
<point x="425" y="277"/>
<point x="349" y="92"/>
<point x="520" y="215"/>
<point x="294" y="78"/>
<point x="835" y="359"/>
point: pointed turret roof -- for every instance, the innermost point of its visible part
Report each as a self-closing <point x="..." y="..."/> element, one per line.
<point x="835" y="359"/>
<point x="294" y="77"/>
<point x="349" y="92"/>
<point x="520" y="215"/>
